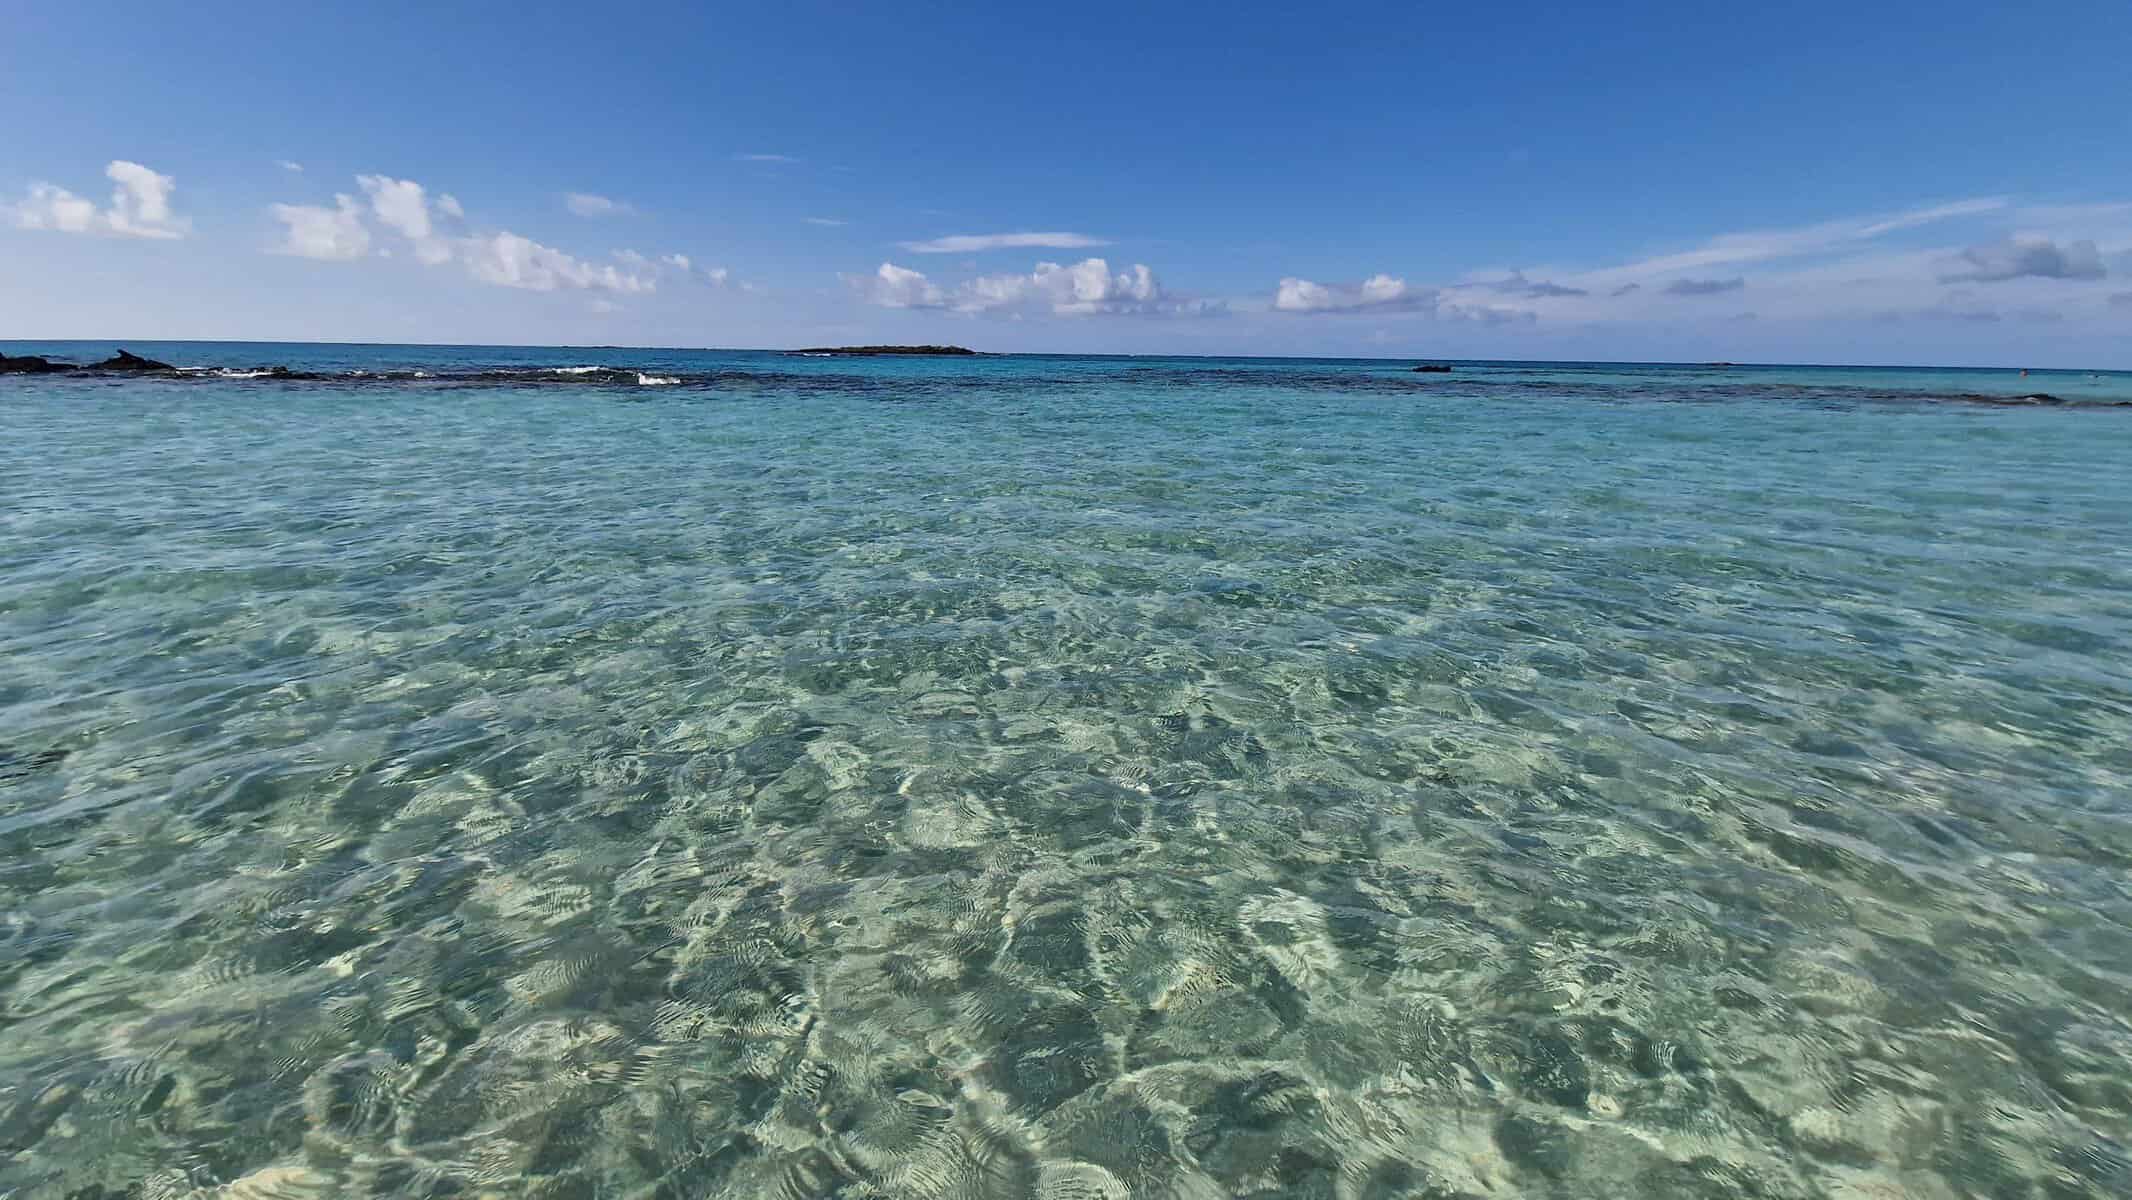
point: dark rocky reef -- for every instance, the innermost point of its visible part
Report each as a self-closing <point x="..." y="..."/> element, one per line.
<point x="32" y="364"/>
<point x="126" y="360"/>
<point x="1432" y="369"/>
<point x="868" y="351"/>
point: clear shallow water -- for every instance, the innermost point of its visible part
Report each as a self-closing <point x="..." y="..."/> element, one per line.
<point x="1064" y="778"/>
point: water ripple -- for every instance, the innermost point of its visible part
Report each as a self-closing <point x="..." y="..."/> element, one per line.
<point x="1077" y="779"/>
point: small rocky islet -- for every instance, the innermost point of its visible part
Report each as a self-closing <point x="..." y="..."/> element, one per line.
<point x="878" y="351"/>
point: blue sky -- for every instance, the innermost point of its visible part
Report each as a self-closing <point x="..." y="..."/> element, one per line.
<point x="1885" y="182"/>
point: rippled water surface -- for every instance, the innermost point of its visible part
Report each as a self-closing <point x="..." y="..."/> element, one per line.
<point x="1062" y="778"/>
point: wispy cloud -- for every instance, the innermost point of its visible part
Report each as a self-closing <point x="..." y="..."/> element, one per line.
<point x="767" y="158"/>
<point x="2016" y="258"/>
<point x="1515" y="284"/>
<point x="1085" y="288"/>
<point x="970" y="243"/>
<point x="1704" y="287"/>
<point x="829" y="221"/>
<point x="139" y="208"/>
<point x="1768" y="244"/>
<point x="1961" y="304"/>
<point x="1881" y="267"/>
<point x="586" y="204"/>
<point x="286" y="165"/>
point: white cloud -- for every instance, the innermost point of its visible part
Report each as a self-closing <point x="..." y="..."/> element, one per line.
<point x="966" y="243"/>
<point x="400" y="203"/>
<point x="1378" y="293"/>
<point x="830" y="221"/>
<point x="313" y="231"/>
<point x="286" y="165"/>
<point x="509" y="260"/>
<point x="717" y="275"/>
<point x="55" y="208"/>
<point x="766" y="158"/>
<point x="1085" y="288"/>
<point x="604" y="305"/>
<point x="140" y="207"/>
<point x="899" y="287"/>
<point x="402" y="207"/>
<point x="657" y="268"/>
<point x="585" y="204"/>
<point x="1382" y="293"/>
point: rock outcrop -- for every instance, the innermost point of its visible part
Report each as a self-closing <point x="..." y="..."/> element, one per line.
<point x="31" y="364"/>
<point x="128" y="361"/>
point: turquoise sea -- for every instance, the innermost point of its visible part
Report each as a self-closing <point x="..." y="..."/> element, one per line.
<point x="454" y="772"/>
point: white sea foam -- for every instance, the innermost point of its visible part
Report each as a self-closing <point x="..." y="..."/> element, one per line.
<point x="647" y="380"/>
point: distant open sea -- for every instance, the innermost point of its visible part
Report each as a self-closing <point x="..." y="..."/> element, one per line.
<point x="469" y="772"/>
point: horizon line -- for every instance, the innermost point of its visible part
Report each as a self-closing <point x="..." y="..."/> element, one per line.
<point x="1589" y="362"/>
